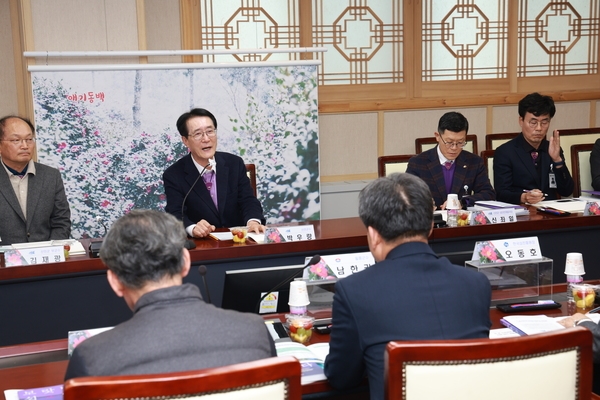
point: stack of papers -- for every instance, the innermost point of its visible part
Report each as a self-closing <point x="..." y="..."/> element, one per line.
<point x="492" y="205"/>
<point x="568" y="205"/>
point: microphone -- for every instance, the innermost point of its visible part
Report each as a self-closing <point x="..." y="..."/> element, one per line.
<point x="211" y="163"/>
<point x="101" y="221"/>
<point x="314" y="260"/>
<point x="202" y="271"/>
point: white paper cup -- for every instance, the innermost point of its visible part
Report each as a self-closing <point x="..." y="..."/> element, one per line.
<point x="298" y="294"/>
<point x="452" y="202"/>
<point x="574" y="264"/>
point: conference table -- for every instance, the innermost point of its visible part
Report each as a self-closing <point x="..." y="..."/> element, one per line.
<point x="44" y="363"/>
<point x="44" y="302"/>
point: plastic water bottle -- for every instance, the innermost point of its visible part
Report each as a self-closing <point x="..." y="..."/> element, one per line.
<point x="571" y="280"/>
<point x="452" y="219"/>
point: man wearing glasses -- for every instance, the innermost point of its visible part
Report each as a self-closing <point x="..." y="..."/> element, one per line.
<point x="447" y="169"/>
<point x="33" y="204"/>
<point x="530" y="168"/>
<point x="209" y="189"/>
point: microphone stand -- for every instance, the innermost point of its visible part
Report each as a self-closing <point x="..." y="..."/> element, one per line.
<point x="314" y="260"/>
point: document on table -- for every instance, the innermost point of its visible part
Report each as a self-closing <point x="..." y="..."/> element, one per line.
<point x="568" y="205"/>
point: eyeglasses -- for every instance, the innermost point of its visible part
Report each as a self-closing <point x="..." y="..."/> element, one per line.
<point x="17" y="142"/>
<point x="533" y="123"/>
<point x="453" y="144"/>
<point x="199" y="135"/>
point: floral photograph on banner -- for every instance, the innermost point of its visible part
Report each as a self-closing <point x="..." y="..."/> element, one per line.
<point x="112" y="134"/>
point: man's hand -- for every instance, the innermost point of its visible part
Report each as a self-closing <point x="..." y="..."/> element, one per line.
<point x="554" y="147"/>
<point x="532" y="196"/>
<point x="256" y="227"/>
<point x="570" y="322"/>
<point x="442" y="207"/>
<point x="202" y="229"/>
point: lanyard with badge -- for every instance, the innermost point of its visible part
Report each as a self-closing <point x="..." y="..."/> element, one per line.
<point x="552" y="178"/>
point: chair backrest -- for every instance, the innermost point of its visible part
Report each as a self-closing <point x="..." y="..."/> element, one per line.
<point x="582" y="171"/>
<point x="488" y="160"/>
<point x="555" y="365"/>
<point x="251" y="172"/>
<point x="493" y="140"/>
<point x="270" y="378"/>
<point x="387" y="165"/>
<point x="424" y="144"/>
<point x="572" y="137"/>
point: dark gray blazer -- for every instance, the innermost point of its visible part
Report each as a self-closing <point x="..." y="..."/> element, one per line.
<point x="412" y="295"/>
<point x="173" y="329"/>
<point x="49" y="216"/>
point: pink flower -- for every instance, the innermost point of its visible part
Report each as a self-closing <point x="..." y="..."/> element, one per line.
<point x="105" y="203"/>
<point x="489" y="253"/>
<point x="143" y="170"/>
<point x="319" y="270"/>
<point x="61" y="146"/>
<point x="274" y="237"/>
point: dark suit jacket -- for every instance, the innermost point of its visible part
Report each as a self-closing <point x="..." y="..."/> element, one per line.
<point x="49" y="216"/>
<point x="514" y="172"/>
<point x="236" y="200"/>
<point x="173" y="329"/>
<point x="411" y="295"/>
<point x="470" y="171"/>
<point x="595" y="165"/>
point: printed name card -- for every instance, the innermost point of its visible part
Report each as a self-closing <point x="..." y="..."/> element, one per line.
<point x="497" y="251"/>
<point x="338" y="266"/>
<point x="292" y="233"/>
<point x="493" y="216"/>
<point x="34" y="255"/>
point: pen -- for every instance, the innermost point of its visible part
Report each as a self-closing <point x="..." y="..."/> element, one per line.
<point x="529" y="191"/>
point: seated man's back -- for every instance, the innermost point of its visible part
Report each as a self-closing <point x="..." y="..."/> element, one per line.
<point x="172" y="328"/>
<point x="409" y="294"/>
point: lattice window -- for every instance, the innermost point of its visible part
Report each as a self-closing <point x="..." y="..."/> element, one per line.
<point x="250" y="24"/>
<point x="364" y="40"/>
<point x="558" y="37"/>
<point x="464" y="40"/>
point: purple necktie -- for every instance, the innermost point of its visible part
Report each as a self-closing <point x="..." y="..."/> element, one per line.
<point x="534" y="156"/>
<point x="211" y="185"/>
<point x="448" y="164"/>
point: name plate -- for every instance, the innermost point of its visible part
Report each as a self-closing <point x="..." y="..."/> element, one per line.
<point x="493" y="216"/>
<point x="338" y="266"/>
<point x="34" y="255"/>
<point x="497" y="251"/>
<point x="294" y="233"/>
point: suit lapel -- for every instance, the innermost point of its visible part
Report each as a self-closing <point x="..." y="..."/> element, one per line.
<point x="34" y="192"/>
<point x="525" y="158"/>
<point x="202" y="194"/>
<point x="222" y="182"/>
<point x="460" y="173"/>
<point x="435" y="169"/>
<point x="8" y="193"/>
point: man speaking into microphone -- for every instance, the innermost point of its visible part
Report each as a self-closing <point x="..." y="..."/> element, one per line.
<point x="208" y="189"/>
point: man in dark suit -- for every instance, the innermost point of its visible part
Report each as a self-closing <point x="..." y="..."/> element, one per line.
<point x="409" y="294"/>
<point x="448" y="169"/>
<point x="172" y="328"/>
<point x="209" y="189"/>
<point x="529" y="168"/>
<point x="33" y="204"/>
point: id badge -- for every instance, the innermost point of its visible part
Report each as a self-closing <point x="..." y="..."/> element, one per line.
<point x="552" y="180"/>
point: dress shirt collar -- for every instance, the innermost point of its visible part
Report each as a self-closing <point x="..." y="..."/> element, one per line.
<point x="29" y="169"/>
<point x="201" y="167"/>
<point x="441" y="156"/>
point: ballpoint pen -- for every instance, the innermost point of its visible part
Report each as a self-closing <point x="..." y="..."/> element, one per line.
<point x="529" y="191"/>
